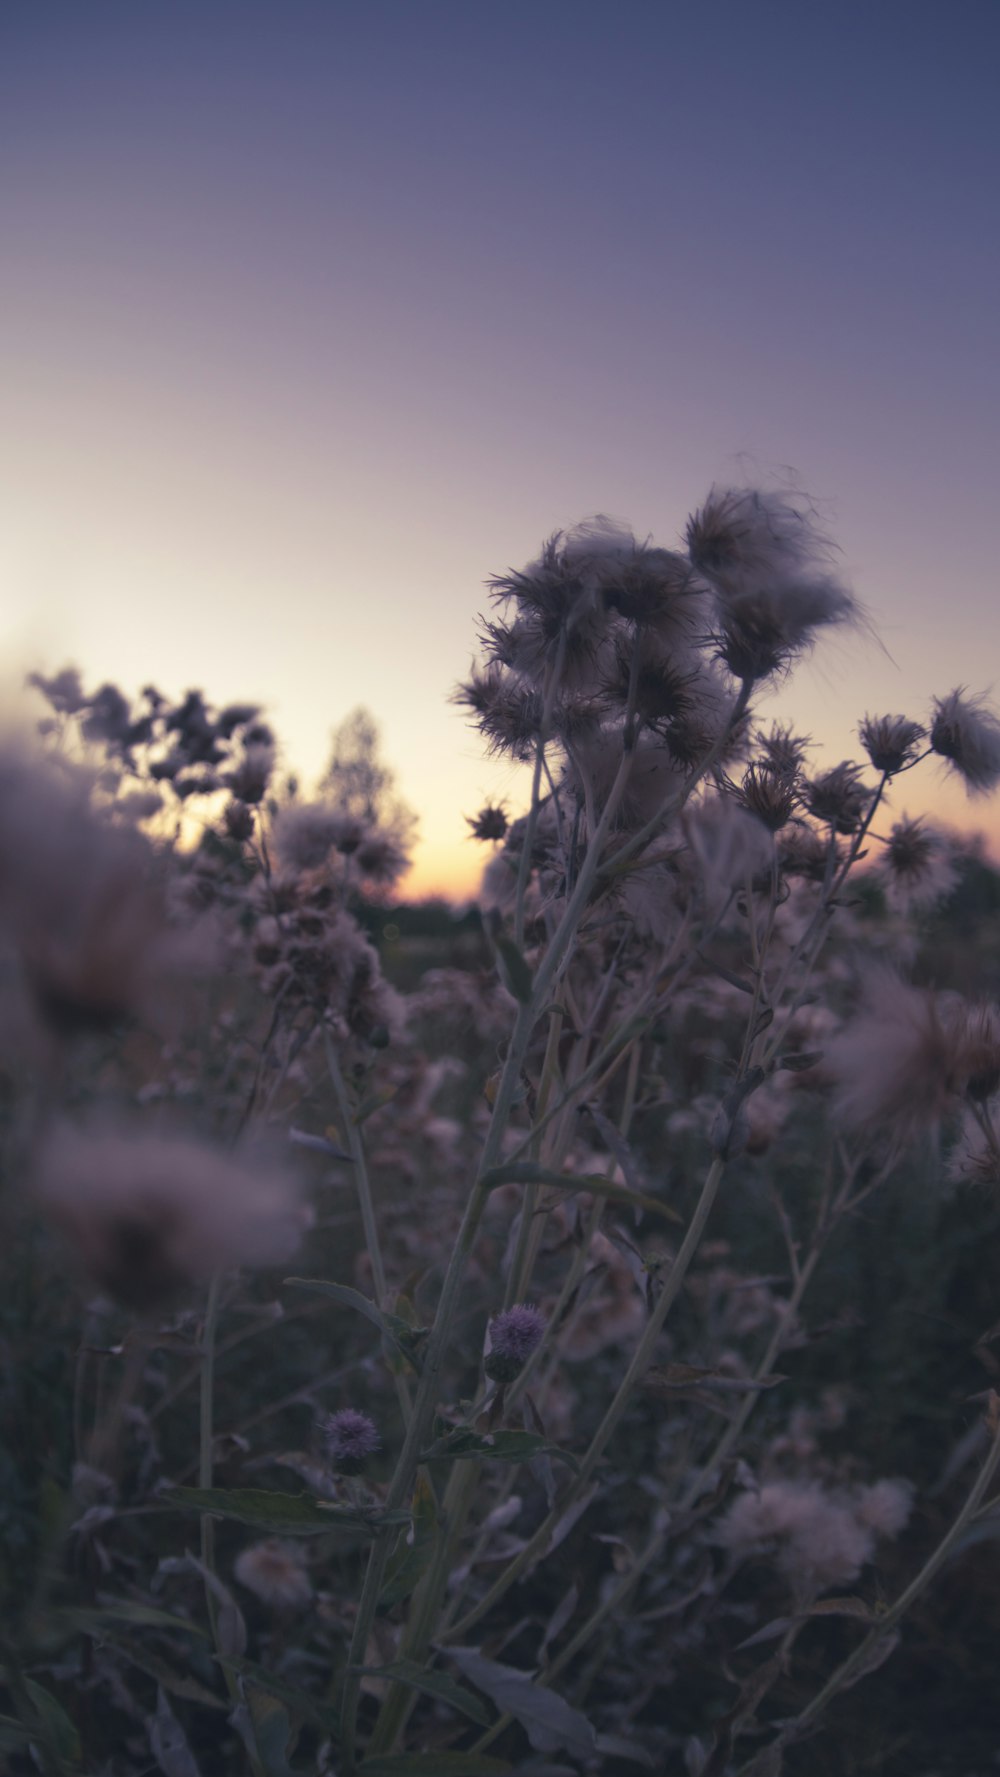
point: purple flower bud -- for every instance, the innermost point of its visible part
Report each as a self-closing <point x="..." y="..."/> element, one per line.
<point x="350" y="1437"/>
<point x="514" y="1335"/>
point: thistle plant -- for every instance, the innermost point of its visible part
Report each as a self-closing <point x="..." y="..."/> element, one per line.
<point x="570" y="1206"/>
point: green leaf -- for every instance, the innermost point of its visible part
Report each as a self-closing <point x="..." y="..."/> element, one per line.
<point x="526" y="1172"/>
<point x="432" y="1684"/>
<point x="125" y="1610"/>
<point x="551" y="1724"/>
<point x="282" y="1514"/>
<point x="57" y="1729"/>
<point x="411" y="1557"/>
<point x="494" y="1446"/>
<point x="514" y="970"/>
<point x="406" y="1339"/>
<point x="271" y="1729"/>
<point x="434" y="1764"/>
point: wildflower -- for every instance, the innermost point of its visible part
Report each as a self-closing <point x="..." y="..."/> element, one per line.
<point x="559" y="604"/>
<point x="63" y="692"/>
<point x="917" y="868"/>
<point x="275" y="1572"/>
<point x="380" y="859"/>
<point x="107" y="717"/>
<point x="657" y="590"/>
<point x="508" y="713"/>
<point x="975" y="1158"/>
<point x="252" y="773"/>
<point x="804" y="852"/>
<point x="783" y="749"/>
<point x="729" y="848"/>
<point x="513" y="1336"/>
<point x="235" y="715"/>
<point x="891" y="742"/>
<point x="897" y="1068"/>
<point x="304" y="834"/>
<point x="659" y="686"/>
<point x="838" y="798"/>
<point x="350" y="1438"/>
<point x="79" y="900"/>
<point x="150" y="1215"/>
<point x="823" y="1539"/>
<point x="768" y="565"/>
<point x="967" y="735"/>
<point x="768" y="793"/>
<point x="238" y="821"/>
<point x="489" y="823"/>
<point x="885" y="1506"/>
<point x="975" y="1031"/>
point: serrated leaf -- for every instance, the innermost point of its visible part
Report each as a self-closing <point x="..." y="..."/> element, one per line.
<point x="283" y="1514"/>
<point x="526" y="1172"/>
<point x="57" y="1728"/>
<point x="464" y="1445"/>
<point x="411" y="1558"/>
<point x="433" y="1684"/>
<point x="407" y="1339"/>
<point x="551" y="1724"/>
<point x="435" y="1764"/>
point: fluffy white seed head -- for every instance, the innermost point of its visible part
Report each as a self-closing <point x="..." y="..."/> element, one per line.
<point x="966" y="733"/>
<point x="149" y="1215"/>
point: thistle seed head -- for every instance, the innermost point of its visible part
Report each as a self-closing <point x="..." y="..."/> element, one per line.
<point x="891" y="742"/>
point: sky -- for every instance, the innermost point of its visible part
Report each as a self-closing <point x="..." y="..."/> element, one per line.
<point x="315" y="314"/>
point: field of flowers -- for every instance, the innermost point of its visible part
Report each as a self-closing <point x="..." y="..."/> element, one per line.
<point x="558" y="1340"/>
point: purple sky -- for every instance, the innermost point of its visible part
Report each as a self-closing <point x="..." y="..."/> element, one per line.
<point x="315" y="314"/>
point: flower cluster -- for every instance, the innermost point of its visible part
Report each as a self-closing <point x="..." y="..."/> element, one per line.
<point x="821" y="1538"/>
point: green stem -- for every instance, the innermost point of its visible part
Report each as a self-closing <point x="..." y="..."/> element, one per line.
<point x="440" y="1334"/>
<point x="538" y="1543"/>
<point x="362" y="1183"/>
<point x="206" y="1428"/>
<point x="205" y="1472"/>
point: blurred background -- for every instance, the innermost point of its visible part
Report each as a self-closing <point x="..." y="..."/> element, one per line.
<point x="317" y="314"/>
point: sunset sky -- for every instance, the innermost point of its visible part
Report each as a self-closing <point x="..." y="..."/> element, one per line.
<point x="314" y="314"/>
